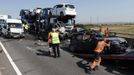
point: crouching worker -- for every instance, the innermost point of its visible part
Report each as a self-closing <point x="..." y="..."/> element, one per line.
<point x="97" y="58"/>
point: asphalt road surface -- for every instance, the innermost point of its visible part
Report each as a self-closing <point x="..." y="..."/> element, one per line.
<point x="31" y="58"/>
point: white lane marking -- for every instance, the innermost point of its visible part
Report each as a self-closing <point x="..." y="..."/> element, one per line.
<point x="11" y="60"/>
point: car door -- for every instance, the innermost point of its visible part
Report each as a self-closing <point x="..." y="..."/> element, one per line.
<point x="80" y="43"/>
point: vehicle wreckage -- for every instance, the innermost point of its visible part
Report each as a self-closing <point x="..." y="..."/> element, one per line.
<point x="85" y="41"/>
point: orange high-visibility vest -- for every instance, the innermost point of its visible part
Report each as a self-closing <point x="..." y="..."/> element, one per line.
<point x="49" y="37"/>
<point x="106" y="33"/>
<point x="100" y="46"/>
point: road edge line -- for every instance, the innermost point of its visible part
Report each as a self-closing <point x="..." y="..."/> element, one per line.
<point x="11" y="60"/>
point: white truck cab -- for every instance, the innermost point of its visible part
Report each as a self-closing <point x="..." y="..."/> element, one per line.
<point x="12" y="28"/>
<point x="2" y="19"/>
<point x="5" y="17"/>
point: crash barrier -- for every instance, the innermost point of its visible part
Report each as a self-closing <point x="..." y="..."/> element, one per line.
<point x="128" y="37"/>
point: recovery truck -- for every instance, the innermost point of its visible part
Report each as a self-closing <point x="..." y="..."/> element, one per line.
<point x="42" y="22"/>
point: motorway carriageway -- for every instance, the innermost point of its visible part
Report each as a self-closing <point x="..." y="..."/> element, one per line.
<point x="27" y="58"/>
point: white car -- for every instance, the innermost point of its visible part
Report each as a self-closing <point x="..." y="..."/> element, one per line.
<point x="63" y="10"/>
<point x="12" y="28"/>
<point x="37" y="10"/>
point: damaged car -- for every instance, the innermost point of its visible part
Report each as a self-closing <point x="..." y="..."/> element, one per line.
<point x="85" y="41"/>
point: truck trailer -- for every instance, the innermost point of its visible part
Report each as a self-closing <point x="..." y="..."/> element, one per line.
<point x="42" y="22"/>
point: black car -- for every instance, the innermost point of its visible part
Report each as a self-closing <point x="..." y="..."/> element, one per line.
<point x="80" y="44"/>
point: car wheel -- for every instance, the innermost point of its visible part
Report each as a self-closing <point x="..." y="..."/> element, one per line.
<point x="72" y="48"/>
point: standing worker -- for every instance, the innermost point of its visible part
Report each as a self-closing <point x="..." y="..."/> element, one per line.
<point x="98" y="50"/>
<point x="55" y="42"/>
<point x="107" y="32"/>
<point x="101" y="30"/>
<point x="50" y="42"/>
<point x="25" y="27"/>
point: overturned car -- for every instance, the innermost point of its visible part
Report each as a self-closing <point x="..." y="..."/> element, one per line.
<point x="85" y="41"/>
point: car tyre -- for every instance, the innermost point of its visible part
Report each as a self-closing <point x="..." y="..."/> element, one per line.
<point x="72" y="48"/>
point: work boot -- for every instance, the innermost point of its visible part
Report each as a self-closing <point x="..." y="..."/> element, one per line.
<point x="97" y="67"/>
<point x="89" y="70"/>
<point x="58" y="56"/>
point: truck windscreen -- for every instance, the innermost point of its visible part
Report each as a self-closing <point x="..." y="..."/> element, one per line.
<point x="15" y="25"/>
<point x="68" y="22"/>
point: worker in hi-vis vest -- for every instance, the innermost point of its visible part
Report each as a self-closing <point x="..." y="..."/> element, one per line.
<point x="25" y="27"/>
<point x="55" y="40"/>
<point x="49" y="43"/>
<point x="98" y="50"/>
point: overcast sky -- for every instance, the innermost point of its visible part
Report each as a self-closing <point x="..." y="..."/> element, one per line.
<point x="87" y="10"/>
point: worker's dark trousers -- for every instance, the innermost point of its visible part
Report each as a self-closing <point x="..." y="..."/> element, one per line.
<point x="56" y="50"/>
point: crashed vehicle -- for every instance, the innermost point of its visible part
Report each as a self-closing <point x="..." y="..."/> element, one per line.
<point x="24" y="13"/>
<point x="85" y="41"/>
